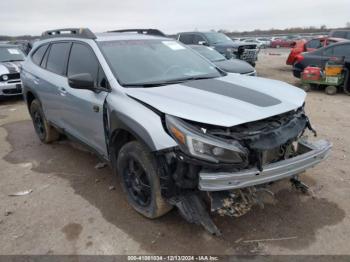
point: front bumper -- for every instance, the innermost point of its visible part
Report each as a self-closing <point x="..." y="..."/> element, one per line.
<point x="310" y="154"/>
<point x="11" y="88"/>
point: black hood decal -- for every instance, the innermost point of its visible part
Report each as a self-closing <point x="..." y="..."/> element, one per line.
<point x="235" y="91"/>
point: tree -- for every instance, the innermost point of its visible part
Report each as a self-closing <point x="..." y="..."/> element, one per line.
<point x="348" y="25"/>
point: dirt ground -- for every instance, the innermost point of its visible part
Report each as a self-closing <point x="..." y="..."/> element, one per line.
<point x="72" y="211"/>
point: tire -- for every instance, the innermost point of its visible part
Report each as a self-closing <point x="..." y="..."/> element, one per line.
<point x="139" y="174"/>
<point x="43" y="129"/>
<point x="331" y="90"/>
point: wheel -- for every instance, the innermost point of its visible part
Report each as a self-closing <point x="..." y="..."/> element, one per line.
<point x="331" y="90"/>
<point x="306" y="87"/>
<point x="140" y="180"/>
<point x="43" y="129"/>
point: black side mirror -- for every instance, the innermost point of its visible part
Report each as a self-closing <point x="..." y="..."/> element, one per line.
<point x="82" y="81"/>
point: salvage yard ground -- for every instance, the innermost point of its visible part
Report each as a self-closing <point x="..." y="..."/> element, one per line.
<point x="71" y="209"/>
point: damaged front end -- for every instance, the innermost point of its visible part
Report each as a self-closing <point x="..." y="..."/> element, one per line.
<point x="230" y="167"/>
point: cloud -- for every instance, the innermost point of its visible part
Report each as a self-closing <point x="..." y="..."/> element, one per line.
<point x="33" y="17"/>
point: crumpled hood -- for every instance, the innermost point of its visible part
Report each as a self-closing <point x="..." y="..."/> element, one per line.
<point x="10" y="67"/>
<point x="235" y="66"/>
<point x="226" y="101"/>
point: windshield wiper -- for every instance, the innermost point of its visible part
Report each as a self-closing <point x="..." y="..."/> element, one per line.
<point x="168" y="82"/>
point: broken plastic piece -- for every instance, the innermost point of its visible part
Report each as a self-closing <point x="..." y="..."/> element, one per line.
<point x="22" y="193"/>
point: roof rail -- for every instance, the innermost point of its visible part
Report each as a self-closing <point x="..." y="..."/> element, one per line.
<point x="69" y="32"/>
<point x="140" y="31"/>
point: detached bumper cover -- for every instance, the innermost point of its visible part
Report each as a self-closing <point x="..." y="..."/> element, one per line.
<point x="313" y="153"/>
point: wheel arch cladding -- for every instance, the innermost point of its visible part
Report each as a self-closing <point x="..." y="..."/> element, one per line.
<point x="125" y="129"/>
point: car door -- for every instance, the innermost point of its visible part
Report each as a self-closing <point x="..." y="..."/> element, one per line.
<point x="54" y="62"/>
<point x="83" y="114"/>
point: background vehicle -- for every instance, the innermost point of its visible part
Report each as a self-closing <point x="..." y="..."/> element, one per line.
<point x="176" y="129"/>
<point x="223" y="44"/>
<point x="259" y="44"/>
<point x="345" y="33"/>
<point x="308" y="46"/>
<point x="10" y="61"/>
<point x="282" y="42"/>
<point x="321" y="56"/>
<point x="228" y="65"/>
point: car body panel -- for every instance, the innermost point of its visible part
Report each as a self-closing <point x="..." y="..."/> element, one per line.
<point x="217" y="109"/>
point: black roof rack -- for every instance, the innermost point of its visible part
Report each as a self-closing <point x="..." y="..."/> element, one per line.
<point x="140" y="31"/>
<point x="69" y="32"/>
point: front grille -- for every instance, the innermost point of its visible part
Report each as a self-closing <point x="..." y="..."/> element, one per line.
<point x="12" y="91"/>
<point x="249" y="54"/>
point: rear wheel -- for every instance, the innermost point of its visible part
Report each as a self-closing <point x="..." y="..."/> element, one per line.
<point x="331" y="90"/>
<point x="140" y="180"/>
<point x="43" y="129"/>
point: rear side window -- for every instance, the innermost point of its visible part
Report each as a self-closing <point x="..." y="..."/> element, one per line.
<point x="315" y="43"/>
<point x="82" y="60"/>
<point x="57" y="59"/>
<point x="39" y="53"/>
<point x="342" y="50"/>
<point x="187" y="39"/>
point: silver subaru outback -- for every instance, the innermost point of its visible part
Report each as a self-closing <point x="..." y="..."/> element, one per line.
<point x="176" y="129"/>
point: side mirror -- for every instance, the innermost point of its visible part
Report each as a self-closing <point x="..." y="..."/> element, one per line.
<point x="203" y="43"/>
<point x="82" y="81"/>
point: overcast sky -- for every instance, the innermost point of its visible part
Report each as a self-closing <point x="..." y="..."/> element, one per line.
<point x="34" y="16"/>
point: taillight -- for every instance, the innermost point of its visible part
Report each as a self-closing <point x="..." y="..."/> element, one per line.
<point x="299" y="58"/>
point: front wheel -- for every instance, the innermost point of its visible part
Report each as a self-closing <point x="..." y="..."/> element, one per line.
<point x="139" y="174"/>
<point x="43" y="129"/>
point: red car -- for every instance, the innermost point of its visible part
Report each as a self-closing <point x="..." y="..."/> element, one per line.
<point x="282" y="42"/>
<point x="308" y="46"/>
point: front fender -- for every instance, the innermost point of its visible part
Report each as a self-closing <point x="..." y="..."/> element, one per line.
<point x="127" y="114"/>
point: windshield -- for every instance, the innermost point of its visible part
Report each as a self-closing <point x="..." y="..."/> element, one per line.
<point x="138" y="62"/>
<point x="9" y="54"/>
<point x="218" y="38"/>
<point x="209" y="53"/>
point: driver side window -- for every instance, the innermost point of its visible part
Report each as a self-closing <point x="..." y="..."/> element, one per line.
<point x="197" y="39"/>
<point x="83" y="60"/>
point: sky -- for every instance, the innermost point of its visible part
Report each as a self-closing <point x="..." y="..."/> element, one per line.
<point x="18" y="17"/>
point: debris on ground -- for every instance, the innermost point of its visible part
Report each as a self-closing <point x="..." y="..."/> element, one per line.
<point x="100" y="165"/>
<point x="97" y="180"/>
<point x="111" y="188"/>
<point x="22" y="193"/>
<point x="269" y="239"/>
<point x="8" y="213"/>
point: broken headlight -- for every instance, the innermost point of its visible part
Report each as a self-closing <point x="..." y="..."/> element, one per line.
<point x="204" y="146"/>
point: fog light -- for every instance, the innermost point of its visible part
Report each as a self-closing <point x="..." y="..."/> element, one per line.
<point x="5" y="77"/>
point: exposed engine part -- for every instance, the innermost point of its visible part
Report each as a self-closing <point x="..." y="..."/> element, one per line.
<point x="193" y="209"/>
<point x="238" y="202"/>
<point x="299" y="185"/>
